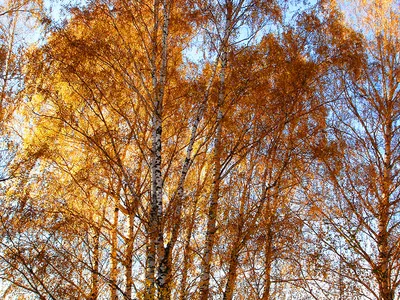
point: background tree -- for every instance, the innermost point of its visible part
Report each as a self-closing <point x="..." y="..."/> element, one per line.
<point x="202" y="149"/>
<point x="362" y="200"/>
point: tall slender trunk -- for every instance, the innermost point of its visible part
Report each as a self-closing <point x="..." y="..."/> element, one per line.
<point x="213" y="208"/>
<point x="129" y="256"/>
<point x="114" y="262"/>
<point x="154" y="230"/>
<point x="232" y="272"/>
<point x="204" y="285"/>
<point x="241" y="238"/>
<point x="268" y="262"/>
<point x="96" y="261"/>
<point x="6" y="71"/>
<point x="155" y="245"/>
<point x="187" y="258"/>
<point x="165" y="270"/>
<point x="383" y="271"/>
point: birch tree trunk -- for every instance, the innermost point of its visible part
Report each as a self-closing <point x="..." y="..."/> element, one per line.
<point x="242" y="236"/>
<point x="155" y="231"/>
<point x="6" y="71"/>
<point x="96" y="261"/>
<point x="232" y="272"/>
<point x="383" y="270"/>
<point x="165" y="269"/>
<point x="114" y="262"/>
<point x="213" y="208"/>
<point x="268" y="263"/>
<point x="187" y="258"/>
<point x="128" y="257"/>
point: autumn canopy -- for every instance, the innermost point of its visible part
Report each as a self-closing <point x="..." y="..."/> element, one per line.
<point x="200" y="149"/>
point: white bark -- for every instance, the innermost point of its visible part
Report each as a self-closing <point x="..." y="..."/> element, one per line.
<point x="213" y="209"/>
<point x="155" y="231"/>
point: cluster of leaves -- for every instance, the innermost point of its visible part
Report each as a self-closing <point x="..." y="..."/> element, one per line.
<point x="203" y="149"/>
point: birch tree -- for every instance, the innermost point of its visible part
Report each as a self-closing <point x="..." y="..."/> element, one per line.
<point x="364" y="131"/>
